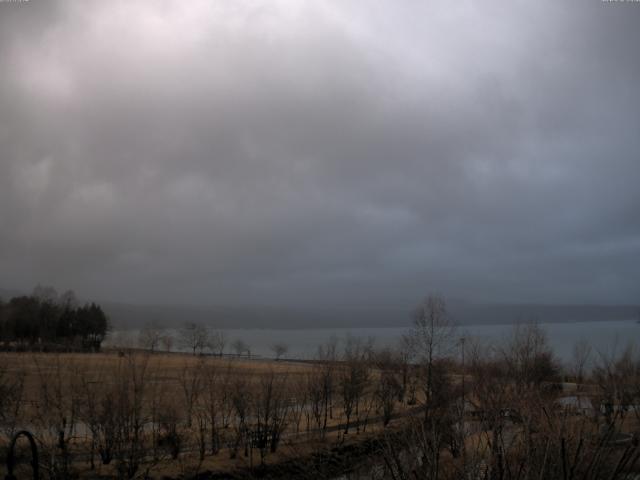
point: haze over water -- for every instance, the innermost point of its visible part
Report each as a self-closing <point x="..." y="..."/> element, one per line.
<point x="604" y="337"/>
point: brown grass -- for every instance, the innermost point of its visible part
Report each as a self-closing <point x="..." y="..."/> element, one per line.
<point x="163" y="372"/>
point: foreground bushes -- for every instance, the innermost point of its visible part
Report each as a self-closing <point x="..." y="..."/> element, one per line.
<point x="493" y="412"/>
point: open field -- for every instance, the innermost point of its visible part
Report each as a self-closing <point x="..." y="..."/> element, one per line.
<point x="178" y="413"/>
<point x="136" y="414"/>
<point x="161" y="367"/>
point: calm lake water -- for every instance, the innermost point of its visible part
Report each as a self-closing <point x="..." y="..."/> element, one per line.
<point x="605" y="337"/>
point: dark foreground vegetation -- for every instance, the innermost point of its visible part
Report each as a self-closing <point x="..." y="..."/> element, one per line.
<point x="46" y="321"/>
<point x="436" y="407"/>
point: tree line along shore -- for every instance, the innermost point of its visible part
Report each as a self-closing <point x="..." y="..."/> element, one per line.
<point x="46" y="321"/>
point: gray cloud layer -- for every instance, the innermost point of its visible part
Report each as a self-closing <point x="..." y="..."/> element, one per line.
<point x="292" y="152"/>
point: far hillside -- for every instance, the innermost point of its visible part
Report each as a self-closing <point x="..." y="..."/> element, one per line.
<point x="126" y="316"/>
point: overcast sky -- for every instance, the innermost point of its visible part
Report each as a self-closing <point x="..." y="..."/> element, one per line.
<point x="321" y="152"/>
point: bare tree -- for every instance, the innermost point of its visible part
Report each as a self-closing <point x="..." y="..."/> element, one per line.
<point x="240" y="400"/>
<point x="354" y="378"/>
<point x="315" y="394"/>
<point x="300" y="400"/>
<point x="217" y="342"/>
<point x="388" y="388"/>
<point x="131" y="394"/>
<point x="528" y="356"/>
<point x="11" y="399"/>
<point x="213" y="393"/>
<point x="57" y="411"/>
<point x="432" y="336"/>
<point x="279" y="349"/>
<point x="239" y="347"/>
<point x="581" y="356"/>
<point x="404" y="361"/>
<point x="168" y="420"/>
<point x="327" y="356"/>
<point x="194" y="337"/>
<point x="270" y="411"/>
<point x="618" y="376"/>
<point x="191" y="383"/>
<point x="90" y="405"/>
<point x="150" y="336"/>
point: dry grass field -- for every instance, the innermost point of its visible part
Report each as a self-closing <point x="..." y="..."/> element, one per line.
<point x="126" y="414"/>
<point x="164" y="368"/>
<point x="135" y="414"/>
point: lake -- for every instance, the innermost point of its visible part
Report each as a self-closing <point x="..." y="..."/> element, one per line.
<point x="605" y="337"/>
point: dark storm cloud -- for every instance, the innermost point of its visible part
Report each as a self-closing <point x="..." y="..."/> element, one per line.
<point x="321" y="152"/>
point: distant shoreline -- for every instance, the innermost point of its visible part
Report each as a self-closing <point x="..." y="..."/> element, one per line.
<point x="377" y="327"/>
